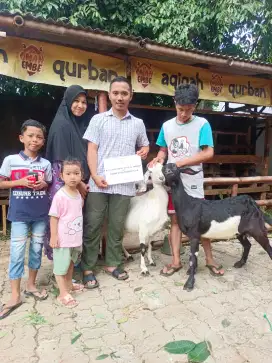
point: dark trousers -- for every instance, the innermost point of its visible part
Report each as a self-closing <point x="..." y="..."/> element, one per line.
<point x="98" y="206"/>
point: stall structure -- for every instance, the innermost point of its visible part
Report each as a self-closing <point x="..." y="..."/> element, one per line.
<point x="52" y="52"/>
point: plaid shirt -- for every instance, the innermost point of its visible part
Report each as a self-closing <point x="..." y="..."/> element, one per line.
<point x="114" y="138"/>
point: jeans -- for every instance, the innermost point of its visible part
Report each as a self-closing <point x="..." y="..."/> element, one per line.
<point x="19" y="235"/>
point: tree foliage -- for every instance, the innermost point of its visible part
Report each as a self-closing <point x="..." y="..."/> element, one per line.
<point x="234" y="27"/>
<point x="238" y="27"/>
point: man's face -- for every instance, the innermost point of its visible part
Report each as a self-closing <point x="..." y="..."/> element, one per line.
<point x="185" y="112"/>
<point x="120" y="96"/>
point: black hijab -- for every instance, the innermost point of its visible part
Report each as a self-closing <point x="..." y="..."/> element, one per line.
<point x="66" y="132"/>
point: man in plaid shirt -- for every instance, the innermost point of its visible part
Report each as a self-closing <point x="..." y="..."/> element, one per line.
<point x="113" y="133"/>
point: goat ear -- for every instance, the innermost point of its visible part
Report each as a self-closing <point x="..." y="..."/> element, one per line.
<point x="188" y="171"/>
<point x="141" y="187"/>
<point x="147" y="175"/>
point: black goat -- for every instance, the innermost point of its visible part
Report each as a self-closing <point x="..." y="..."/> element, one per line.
<point x="215" y="219"/>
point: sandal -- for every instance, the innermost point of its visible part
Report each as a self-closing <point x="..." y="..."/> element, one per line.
<point x="212" y="268"/>
<point x="34" y="294"/>
<point x="9" y="309"/>
<point x="68" y="301"/>
<point x="77" y="288"/>
<point x="170" y="270"/>
<point x="88" y="278"/>
<point x="116" y="274"/>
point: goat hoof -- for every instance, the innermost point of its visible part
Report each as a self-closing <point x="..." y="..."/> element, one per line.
<point x="189" y="284"/>
<point x="130" y="258"/>
<point x="153" y="263"/>
<point x="188" y="287"/>
<point x="239" y="264"/>
<point x="145" y="273"/>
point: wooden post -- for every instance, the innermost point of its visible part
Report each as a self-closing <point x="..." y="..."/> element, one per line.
<point x="234" y="190"/>
<point x="248" y="139"/>
<point x="267" y="140"/>
<point x="4" y="219"/>
<point x="102" y="102"/>
<point x="103" y="107"/>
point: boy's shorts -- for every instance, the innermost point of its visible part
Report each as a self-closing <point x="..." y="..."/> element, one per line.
<point x="170" y="208"/>
<point x="18" y="242"/>
<point x="62" y="258"/>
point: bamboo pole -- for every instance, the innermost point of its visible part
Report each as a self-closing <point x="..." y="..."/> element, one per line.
<point x="231" y="181"/>
<point x="238" y="180"/>
<point x="262" y="203"/>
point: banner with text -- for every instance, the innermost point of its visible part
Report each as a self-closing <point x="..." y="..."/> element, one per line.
<point x="47" y="63"/>
<point x="149" y="76"/>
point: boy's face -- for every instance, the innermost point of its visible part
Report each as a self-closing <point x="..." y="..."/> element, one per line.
<point x="185" y="112"/>
<point x="120" y="96"/>
<point x="33" y="139"/>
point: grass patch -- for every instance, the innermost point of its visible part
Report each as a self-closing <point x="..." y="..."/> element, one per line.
<point x="35" y="318"/>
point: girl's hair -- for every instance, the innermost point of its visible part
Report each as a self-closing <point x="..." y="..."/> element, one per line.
<point x="71" y="161"/>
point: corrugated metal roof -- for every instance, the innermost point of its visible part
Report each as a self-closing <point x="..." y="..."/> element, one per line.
<point x="140" y="40"/>
<point x="50" y="21"/>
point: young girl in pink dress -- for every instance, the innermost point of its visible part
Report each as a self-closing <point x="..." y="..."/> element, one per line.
<point x="66" y="231"/>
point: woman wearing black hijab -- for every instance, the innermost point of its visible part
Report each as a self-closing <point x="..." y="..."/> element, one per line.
<point x="65" y="140"/>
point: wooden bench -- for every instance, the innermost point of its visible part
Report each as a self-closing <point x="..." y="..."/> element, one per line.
<point x="4" y="201"/>
<point x="212" y="167"/>
<point x="236" y="159"/>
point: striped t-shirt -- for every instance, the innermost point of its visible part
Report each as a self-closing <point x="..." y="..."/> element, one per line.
<point x="26" y="205"/>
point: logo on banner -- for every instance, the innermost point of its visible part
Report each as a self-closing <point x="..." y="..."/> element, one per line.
<point x="144" y="73"/>
<point x="32" y="59"/>
<point x="216" y="84"/>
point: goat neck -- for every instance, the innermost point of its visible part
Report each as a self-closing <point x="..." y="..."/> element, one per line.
<point x="180" y="198"/>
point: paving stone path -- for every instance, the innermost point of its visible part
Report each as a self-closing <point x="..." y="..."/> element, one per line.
<point x="131" y="321"/>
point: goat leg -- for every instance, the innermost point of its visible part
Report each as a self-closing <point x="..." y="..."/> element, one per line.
<point x="194" y="246"/>
<point x="246" y="248"/>
<point x="263" y="240"/>
<point x="144" y="270"/>
<point x="188" y="271"/>
<point x="128" y="256"/>
<point x="149" y="255"/>
<point x="143" y="236"/>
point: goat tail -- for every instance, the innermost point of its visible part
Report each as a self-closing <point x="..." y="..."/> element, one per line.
<point x="268" y="220"/>
<point x="266" y="217"/>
